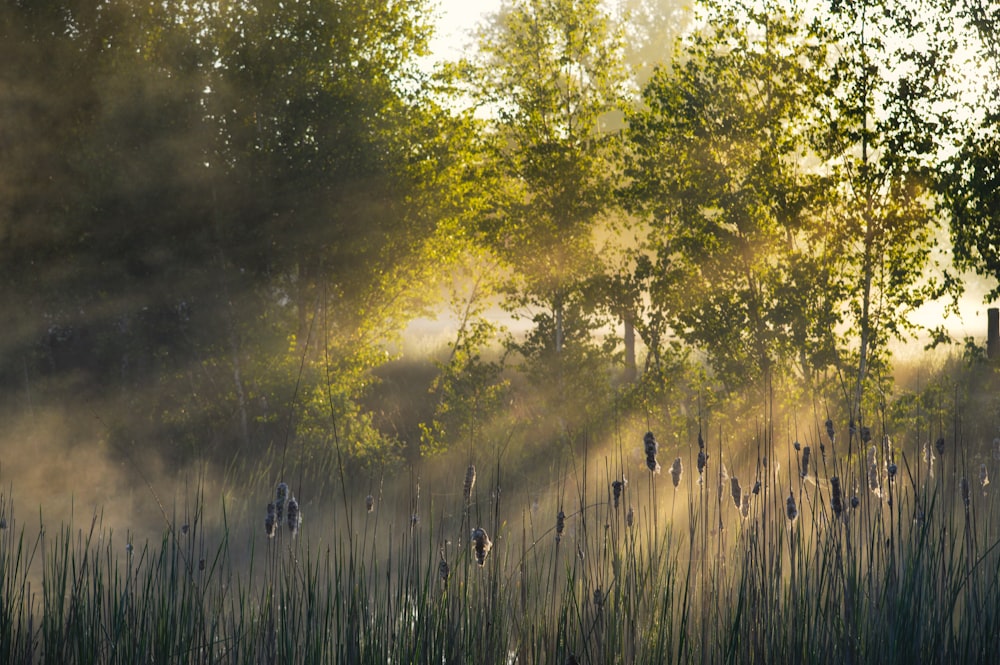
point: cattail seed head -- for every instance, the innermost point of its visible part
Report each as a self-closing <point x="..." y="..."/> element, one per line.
<point x="185" y="528"/>
<point x="791" y="511"/>
<point x="481" y="545"/>
<point x="756" y="488"/>
<point x="470" y="481"/>
<point x="745" y="506"/>
<point x="829" y="430"/>
<point x="271" y="521"/>
<point x="891" y="470"/>
<point x="560" y="525"/>
<point x="805" y="462"/>
<point x="444" y="571"/>
<point x="797" y="446"/>
<point x="676" y="470"/>
<point x="736" y="491"/>
<point x="280" y="496"/>
<point x="837" y="496"/>
<point x="866" y="434"/>
<point x="3" y="522"/>
<point x="369" y="503"/>
<point x="702" y="461"/>
<point x="651" y="448"/>
<point x="598" y="598"/>
<point x="701" y="441"/>
<point x="630" y="517"/>
<point x="963" y="487"/>
<point x="617" y="487"/>
<point x="939" y="446"/>
<point x="294" y="517"/>
<point x="855" y="501"/>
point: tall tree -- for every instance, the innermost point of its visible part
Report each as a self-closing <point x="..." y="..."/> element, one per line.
<point x="882" y="119"/>
<point x="717" y="164"/>
<point x="549" y="73"/>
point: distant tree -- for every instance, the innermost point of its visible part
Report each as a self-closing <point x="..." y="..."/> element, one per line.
<point x="718" y="167"/>
<point x="970" y="179"/>
<point x="883" y="116"/>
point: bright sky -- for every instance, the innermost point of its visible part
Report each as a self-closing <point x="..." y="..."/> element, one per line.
<point x="457" y="20"/>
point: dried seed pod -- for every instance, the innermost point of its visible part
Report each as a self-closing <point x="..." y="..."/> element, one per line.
<point x="891" y="470"/>
<point x="280" y="496"/>
<point x="560" y="525"/>
<point x="702" y="461"/>
<point x="271" y="521"/>
<point x="804" y="470"/>
<point x="617" y="487"/>
<point x="294" y="517"/>
<point x="791" y="511"/>
<point x="830" y="434"/>
<point x="797" y="446"/>
<point x="676" y="471"/>
<point x="855" y="501"/>
<point x="470" y="482"/>
<point x="481" y="545"/>
<point x="736" y="491"/>
<point x="756" y="488"/>
<point x="837" y="496"/>
<point x="745" y="506"/>
<point x="652" y="448"/>
<point x="866" y="434"/>
<point x="444" y="571"/>
<point x="939" y="446"/>
<point x="630" y="517"/>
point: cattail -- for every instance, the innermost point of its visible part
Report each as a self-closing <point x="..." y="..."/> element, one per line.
<point x="891" y="470"/>
<point x="701" y="441"/>
<point x="855" y="501"/>
<point x="873" y="476"/>
<point x="630" y="517"/>
<point x="676" y="470"/>
<point x="963" y="488"/>
<point x="790" y="510"/>
<point x="652" y="448"/>
<point x="616" y="488"/>
<point x="294" y="517"/>
<point x="837" y="496"/>
<point x="482" y="545"/>
<point x="756" y="488"/>
<point x="369" y="503"/>
<point x="280" y="496"/>
<point x="444" y="571"/>
<point x="271" y="521"/>
<point x="470" y="481"/>
<point x="866" y="434"/>
<point x="939" y="446"/>
<point x="560" y="525"/>
<point x="598" y="598"/>
<point x="984" y="476"/>
<point x="797" y="446"/>
<point x="185" y="528"/>
<point x="3" y="522"/>
<point x="822" y="451"/>
<point x="702" y="461"/>
<point x="829" y="430"/>
<point x="805" y="462"/>
<point x="745" y="506"/>
<point x="735" y="490"/>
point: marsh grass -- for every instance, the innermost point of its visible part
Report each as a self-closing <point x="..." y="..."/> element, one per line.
<point x="902" y="572"/>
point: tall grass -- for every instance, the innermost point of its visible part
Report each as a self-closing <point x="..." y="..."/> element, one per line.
<point x="903" y="567"/>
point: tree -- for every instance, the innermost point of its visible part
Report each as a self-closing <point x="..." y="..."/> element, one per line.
<point x="970" y="179"/>
<point x="549" y="72"/>
<point x="718" y="166"/>
<point x="882" y="118"/>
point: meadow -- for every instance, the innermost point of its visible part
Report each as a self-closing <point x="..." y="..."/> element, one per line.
<point x="842" y="547"/>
